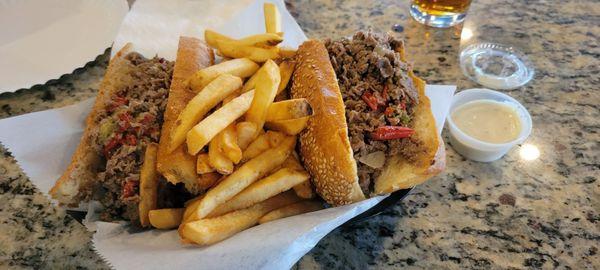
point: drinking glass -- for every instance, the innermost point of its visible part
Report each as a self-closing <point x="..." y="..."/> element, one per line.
<point x="439" y="13"/>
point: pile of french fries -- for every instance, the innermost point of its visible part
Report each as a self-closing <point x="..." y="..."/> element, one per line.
<point x="242" y="129"/>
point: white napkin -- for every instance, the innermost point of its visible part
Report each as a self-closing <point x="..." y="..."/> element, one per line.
<point x="43" y="142"/>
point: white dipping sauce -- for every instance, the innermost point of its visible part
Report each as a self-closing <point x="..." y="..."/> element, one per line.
<point x="488" y="120"/>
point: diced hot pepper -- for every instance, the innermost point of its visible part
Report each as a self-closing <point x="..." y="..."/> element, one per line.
<point x="117" y="102"/>
<point x="403" y="105"/>
<point x="130" y="139"/>
<point x="370" y="100"/>
<point x="125" y="122"/>
<point x="112" y="144"/>
<point x="388" y="111"/>
<point x="148" y="118"/>
<point x="129" y="188"/>
<point x="120" y="101"/>
<point x="391" y="133"/>
<point x="385" y="92"/>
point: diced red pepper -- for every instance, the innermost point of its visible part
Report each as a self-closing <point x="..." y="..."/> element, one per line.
<point x="120" y="101"/>
<point x="370" y="100"/>
<point x="403" y="105"/>
<point x="385" y="92"/>
<point x="129" y="188"/>
<point x="388" y="111"/>
<point x="125" y="122"/>
<point x="116" y="102"/>
<point x="391" y="133"/>
<point x="148" y="118"/>
<point x="112" y="144"/>
<point x="130" y="139"/>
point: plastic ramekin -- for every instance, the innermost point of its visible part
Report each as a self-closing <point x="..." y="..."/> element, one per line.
<point x="478" y="150"/>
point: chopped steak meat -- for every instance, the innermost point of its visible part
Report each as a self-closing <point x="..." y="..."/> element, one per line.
<point x="126" y="124"/>
<point x="377" y="91"/>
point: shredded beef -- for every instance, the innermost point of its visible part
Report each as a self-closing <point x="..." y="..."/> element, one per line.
<point x="370" y="65"/>
<point x="128" y="122"/>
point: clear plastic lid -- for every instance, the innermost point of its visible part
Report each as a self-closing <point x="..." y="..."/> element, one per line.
<point x="496" y="66"/>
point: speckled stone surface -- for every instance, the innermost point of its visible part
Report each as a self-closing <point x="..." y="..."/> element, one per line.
<point x="510" y="214"/>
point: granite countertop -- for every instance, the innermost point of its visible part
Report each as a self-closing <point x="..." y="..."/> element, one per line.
<point x="518" y="212"/>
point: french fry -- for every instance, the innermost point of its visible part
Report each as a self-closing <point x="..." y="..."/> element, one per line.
<point x="293" y="163"/>
<point x="192" y="200"/>
<point x="245" y="175"/>
<point x="229" y="144"/>
<point x="242" y="67"/>
<point x="245" y="133"/>
<point x="213" y="230"/>
<point x="202" y="103"/>
<point x="191" y="207"/>
<point x="286" y="69"/>
<point x="216" y="157"/>
<point x="305" y="190"/>
<point x="255" y="148"/>
<point x="203" y="164"/>
<point x="262" y="143"/>
<point x="290" y="126"/>
<point x="234" y="50"/>
<point x="208" y="128"/>
<point x="272" y="18"/>
<point x="231" y="97"/>
<point x="287" y="52"/>
<point x="213" y="38"/>
<point x="148" y="184"/>
<point x="261" y="40"/>
<point x="288" y="109"/>
<point x="250" y="83"/>
<point x="282" y="180"/>
<point x="266" y="87"/>
<point x="208" y="180"/>
<point x="291" y="210"/>
<point x="168" y="218"/>
<point x="275" y="138"/>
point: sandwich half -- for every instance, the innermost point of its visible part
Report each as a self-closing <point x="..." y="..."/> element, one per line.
<point x="373" y="131"/>
<point x="126" y="117"/>
<point x="137" y="98"/>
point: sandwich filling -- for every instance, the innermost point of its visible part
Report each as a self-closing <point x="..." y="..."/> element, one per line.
<point x="130" y="120"/>
<point x="379" y="96"/>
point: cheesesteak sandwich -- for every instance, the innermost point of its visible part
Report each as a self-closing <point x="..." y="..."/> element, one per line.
<point x="126" y="120"/>
<point x="372" y="131"/>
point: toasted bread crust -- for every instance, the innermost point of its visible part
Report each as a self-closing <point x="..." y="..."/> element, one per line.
<point x="178" y="166"/>
<point x="324" y="144"/>
<point x="80" y="175"/>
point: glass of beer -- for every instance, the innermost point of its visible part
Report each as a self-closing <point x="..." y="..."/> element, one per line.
<point x="439" y="13"/>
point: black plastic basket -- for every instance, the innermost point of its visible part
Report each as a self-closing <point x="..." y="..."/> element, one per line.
<point x="386" y="203"/>
<point x="391" y="200"/>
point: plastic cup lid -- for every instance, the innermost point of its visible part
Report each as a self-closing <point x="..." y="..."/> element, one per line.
<point x="496" y="66"/>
